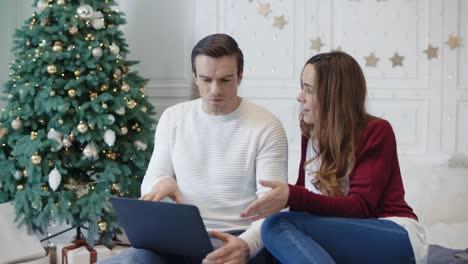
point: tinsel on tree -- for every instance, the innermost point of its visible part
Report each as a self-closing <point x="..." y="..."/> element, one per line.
<point x="77" y="127"/>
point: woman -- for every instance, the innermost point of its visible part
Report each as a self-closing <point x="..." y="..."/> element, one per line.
<point x="348" y="203"/>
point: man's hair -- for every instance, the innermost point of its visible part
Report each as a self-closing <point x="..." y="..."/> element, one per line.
<point x="218" y="45"/>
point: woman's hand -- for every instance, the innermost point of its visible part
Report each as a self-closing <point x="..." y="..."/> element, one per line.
<point x="273" y="201"/>
<point x="234" y="251"/>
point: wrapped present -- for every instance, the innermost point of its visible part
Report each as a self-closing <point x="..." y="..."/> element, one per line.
<point x="79" y="253"/>
<point x="21" y="246"/>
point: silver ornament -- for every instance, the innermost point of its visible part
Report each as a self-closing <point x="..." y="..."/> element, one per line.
<point x="85" y="11"/>
<point x="16" y="124"/>
<point x="110" y="119"/>
<point x="18" y="175"/>
<point x="114" y="49"/>
<point x="97" y="23"/>
<point x="97" y="52"/>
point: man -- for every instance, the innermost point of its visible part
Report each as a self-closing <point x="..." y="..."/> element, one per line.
<point x="212" y="152"/>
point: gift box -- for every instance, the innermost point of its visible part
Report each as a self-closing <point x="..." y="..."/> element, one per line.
<point x="18" y="245"/>
<point x="80" y="253"/>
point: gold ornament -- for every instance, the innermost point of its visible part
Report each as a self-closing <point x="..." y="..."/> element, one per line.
<point x="279" y="22"/>
<point x="371" y="60"/>
<point x="111" y="155"/>
<point x="51" y="69"/>
<point x="33" y="135"/>
<point x="115" y="187"/>
<point x="431" y="52"/>
<point x="41" y="121"/>
<point x="89" y="37"/>
<point x="124" y="69"/>
<point x="316" y="44"/>
<point x="397" y="60"/>
<point x="44" y="188"/>
<point x="142" y="90"/>
<point x="102" y="226"/>
<point x="135" y="126"/>
<point x="20" y="187"/>
<point x="77" y="73"/>
<point x="25" y="173"/>
<point x="45" y="22"/>
<point x="72" y="93"/>
<point x="123" y="130"/>
<point x="131" y="104"/>
<point x="104" y="87"/>
<point x="17" y="124"/>
<point x="93" y="96"/>
<point x="82" y="127"/>
<point x="73" y="30"/>
<point x="36" y="158"/>
<point x="60" y="2"/>
<point x="125" y="87"/>
<point x="57" y="46"/>
<point x="50" y="163"/>
<point x="144" y="109"/>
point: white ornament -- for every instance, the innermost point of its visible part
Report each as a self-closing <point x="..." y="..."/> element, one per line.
<point x="18" y="175"/>
<point x="109" y="137"/>
<point x="66" y="142"/>
<point x="120" y="111"/>
<point x="97" y="52"/>
<point x="54" y="179"/>
<point x="52" y="93"/>
<point x="41" y="4"/>
<point x="97" y="23"/>
<point x="140" y="145"/>
<point x="85" y="11"/>
<point x="114" y="49"/>
<point x="16" y="124"/>
<point x="91" y="151"/>
<point x="57" y="137"/>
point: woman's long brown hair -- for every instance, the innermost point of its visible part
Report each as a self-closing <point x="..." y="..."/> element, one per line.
<point x="341" y="95"/>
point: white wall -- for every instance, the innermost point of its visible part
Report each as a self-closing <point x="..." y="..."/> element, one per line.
<point x="425" y="100"/>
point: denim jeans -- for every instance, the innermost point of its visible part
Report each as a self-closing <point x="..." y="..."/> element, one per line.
<point x="294" y="237"/>
<point x="143" y="256"/>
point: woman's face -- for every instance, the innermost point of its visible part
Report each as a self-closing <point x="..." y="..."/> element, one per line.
<point x="308" y="95"/>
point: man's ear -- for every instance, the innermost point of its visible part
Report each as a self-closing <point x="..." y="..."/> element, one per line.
<point x="239" y="78"/>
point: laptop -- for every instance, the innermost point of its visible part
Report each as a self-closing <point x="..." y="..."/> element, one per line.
<point x="162" y="227"/>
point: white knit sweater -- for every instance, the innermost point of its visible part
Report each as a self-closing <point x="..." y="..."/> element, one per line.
<point x="218" y="161"/>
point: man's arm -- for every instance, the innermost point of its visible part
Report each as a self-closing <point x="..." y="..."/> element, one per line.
<point x="271" y="164"/>
<point x="160" y="165"/>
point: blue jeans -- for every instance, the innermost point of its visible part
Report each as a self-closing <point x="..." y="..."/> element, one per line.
<point x="294" y="237"/>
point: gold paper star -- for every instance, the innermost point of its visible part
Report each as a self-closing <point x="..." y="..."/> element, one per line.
<point x="397" y="60"/>
<point x="316" y="44"/>
<point x="431" y="52"/>
<point x="279" y="22"/>
<point x="338" y="49"/>
<point x="371" y="60"/>
<point x="454" y="42"/>
<point x="263" y="9"/>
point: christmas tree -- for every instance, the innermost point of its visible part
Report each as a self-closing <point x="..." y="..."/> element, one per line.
<point x="77" y="127"/>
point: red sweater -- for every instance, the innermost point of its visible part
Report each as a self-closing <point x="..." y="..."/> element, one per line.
<point x="375" y="185"/>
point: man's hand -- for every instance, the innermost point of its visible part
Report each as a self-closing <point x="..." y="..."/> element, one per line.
<point x="164" y="188"/>
<point x="273" y="201"/>
<point x="235" y="250"/>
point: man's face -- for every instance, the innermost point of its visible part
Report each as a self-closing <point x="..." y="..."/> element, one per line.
<point x="217" y="80"/>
